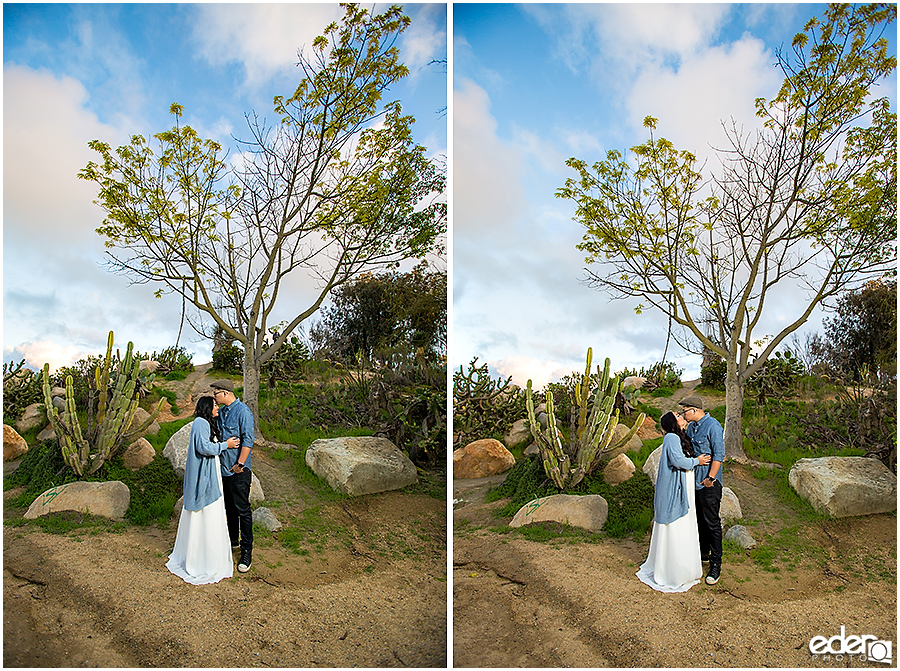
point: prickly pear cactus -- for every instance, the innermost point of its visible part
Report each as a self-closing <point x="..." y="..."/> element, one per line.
<point x="86" y="449"/>
<point x="592" y="436"/>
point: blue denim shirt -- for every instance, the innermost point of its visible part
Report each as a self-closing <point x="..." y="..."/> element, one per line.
<point x="201" y="483"/>
<point x="236" y="420"/>
<point x="670" y="500"/>
<point x="707" y="437"/>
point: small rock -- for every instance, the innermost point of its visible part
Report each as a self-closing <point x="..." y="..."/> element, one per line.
<point x="519" y="433"/>
<point x="266" y="518"/>
<point x="741" y="536"/>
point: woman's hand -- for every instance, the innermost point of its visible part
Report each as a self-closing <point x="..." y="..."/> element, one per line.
<point x="234" y="442"/>
<point x="704" y="459"/>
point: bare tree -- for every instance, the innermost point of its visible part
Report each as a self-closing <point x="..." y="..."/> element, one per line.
<point x="335" y="188"/>
<point x="809" y="200"/>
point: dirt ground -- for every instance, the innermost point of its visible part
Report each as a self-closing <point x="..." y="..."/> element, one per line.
<point x="373" y="594"/>
<point x="520" y="603"/>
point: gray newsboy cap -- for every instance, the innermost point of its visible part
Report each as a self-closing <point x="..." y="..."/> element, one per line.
<point x="692" y="402"/>
<point x="227" y="385"/>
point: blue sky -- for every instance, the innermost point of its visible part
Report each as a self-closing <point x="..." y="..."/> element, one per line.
<point x="77" y="72"/>
<point x="536" y="84"/>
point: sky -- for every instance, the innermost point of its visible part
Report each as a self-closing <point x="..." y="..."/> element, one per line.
<point x="77" y="72"/>
<point x="536" y="84"/>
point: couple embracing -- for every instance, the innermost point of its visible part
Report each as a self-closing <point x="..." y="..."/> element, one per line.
<point x="686" y="526"/>
<point x="216" y="518"/>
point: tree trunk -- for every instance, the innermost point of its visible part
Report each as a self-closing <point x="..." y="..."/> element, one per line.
<point x="251" y="387"/>
<point x="734" y="410"/>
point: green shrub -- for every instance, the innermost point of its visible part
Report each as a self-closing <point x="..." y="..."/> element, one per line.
<point x="229" y="359"/>
<point x="21" y="388"/>
<point x="483" y="407"/>
<point x="713" y="375"/>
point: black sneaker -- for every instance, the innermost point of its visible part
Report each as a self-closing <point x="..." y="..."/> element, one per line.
<point x="703" y="558"/>
<point x="244" y="564"/>
<point x="235" y="545"/>
<point x="713" y="577"/>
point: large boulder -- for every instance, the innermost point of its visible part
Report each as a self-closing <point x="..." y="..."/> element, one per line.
<point x="588" y="512"/>
<point x="648" y="430"/>
<point x="360" y="465"/>
<point x="845" y="486"/>
<point x="618" y="470"/>
<point x="482" y="459"/>
<point x="177" y="447"/>
<point x="14" y="446"/>
<point x="139" y="454"/>
<point x="519" y="433"/>
<point x="176" y="452"/>
<point x="32" y="418"/>
<point x="651" y="466"/>
<point x="106" y="499"/>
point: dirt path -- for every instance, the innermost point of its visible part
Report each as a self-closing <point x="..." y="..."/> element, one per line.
<point x="359" y="582"/>
<point x="518" y="603"/>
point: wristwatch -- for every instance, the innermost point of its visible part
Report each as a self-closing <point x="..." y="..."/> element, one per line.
<point x="241" y="465"/>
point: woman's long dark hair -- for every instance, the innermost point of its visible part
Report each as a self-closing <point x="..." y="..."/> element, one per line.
<point x="669" y="424"/>
<point x="204" y="409"/>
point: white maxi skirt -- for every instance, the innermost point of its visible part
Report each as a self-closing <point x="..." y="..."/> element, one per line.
<point x="673" y="564"/>
<point x="202" y="552"/>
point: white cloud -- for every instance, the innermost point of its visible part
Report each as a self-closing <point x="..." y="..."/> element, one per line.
<point x="424" y="40"/>
<point x="46" y="131"/>
<point x="264" y="37"/>
<point x="488" y="195"/>
<point x="37" y="353"/>
<point x="707" y="89"/>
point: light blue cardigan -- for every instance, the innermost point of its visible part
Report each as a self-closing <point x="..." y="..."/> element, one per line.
<point x="670" y="501"/>
<point x="201" y="482"/>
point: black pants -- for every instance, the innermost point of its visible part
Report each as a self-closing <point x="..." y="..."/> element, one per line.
<point x="237" y="508"/>
<point x="708" y="523"/>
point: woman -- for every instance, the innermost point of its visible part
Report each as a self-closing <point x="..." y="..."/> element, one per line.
<point x="202" y="551"/>
<point x="673" y="564"/>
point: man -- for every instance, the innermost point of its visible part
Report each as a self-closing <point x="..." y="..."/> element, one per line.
<point x="236" y="419"/>
<point x="707" y="438"/>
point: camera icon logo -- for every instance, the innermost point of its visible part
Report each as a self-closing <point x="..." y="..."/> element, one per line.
<point x="880" y="651"/>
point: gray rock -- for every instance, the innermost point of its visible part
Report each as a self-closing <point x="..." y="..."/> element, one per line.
<point x="587" y="512"/>
<point x="256" y="490"/>
<point x="845" y="486"/>
<point x="266" y="518"/>
<point x="141" y="416"/>
<point x="106" y="499"/>
<point x="59" y="403"/>
<point x="47" y="434"/>
<point x="633" y="445"/>
<point x="741" y="536"/>
<point x="32" y="418"/>
<point x="651" y="466"/>
<point x="730" y="508"/>
<point x="520" y="432"/>
<point x="176" y="448"/>
<point x="360" y="465"/>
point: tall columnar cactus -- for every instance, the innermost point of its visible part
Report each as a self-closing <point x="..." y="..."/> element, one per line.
<point x="591" y="438"/>
<point x="85" y="450"/>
